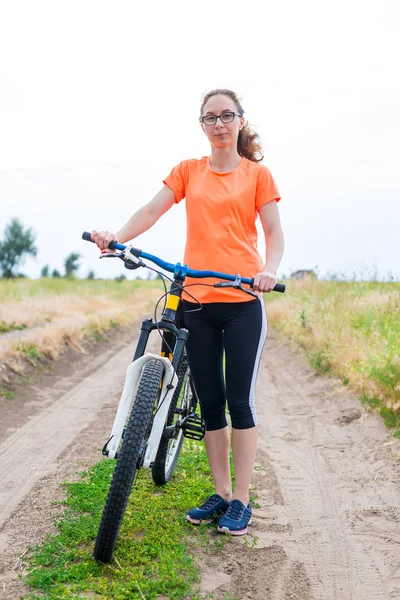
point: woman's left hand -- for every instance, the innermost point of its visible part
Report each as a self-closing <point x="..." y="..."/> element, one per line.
<point x="264" y="281"/>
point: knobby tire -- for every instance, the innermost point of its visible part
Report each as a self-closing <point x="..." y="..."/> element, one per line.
<point x="127" y="462"/>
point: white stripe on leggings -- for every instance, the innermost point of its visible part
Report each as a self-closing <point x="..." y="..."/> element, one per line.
<point x="263" y="337"/>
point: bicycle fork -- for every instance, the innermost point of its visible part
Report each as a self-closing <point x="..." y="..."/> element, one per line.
<point x="133" y="374"/>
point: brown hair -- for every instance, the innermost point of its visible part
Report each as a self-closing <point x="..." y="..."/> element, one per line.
<point x="249" y="144"/>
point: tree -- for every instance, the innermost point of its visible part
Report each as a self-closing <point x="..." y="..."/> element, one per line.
<point x="71" y="264"/>
<point x="45" y="271"/>
<point x="55" y="273"/>
<point x="90" y="275"/>
<point x="17" y="243"/>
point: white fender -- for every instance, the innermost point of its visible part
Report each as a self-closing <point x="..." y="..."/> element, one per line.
<point x="133" y="374"/>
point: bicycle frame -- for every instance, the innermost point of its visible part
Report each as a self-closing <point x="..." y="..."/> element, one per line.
<point x="173" y="343"/>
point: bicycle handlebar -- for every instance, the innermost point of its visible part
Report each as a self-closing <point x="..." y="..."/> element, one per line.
<point x="279" y="287"/>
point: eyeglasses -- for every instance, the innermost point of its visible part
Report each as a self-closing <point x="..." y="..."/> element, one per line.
<point x="226" y="117"/>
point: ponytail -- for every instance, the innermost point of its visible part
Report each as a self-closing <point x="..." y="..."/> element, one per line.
<point x="249" y="144"/>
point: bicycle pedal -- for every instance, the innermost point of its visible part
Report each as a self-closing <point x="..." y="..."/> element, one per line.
<point x="194" y="427"/>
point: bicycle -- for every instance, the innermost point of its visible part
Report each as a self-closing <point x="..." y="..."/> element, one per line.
<point x="158" y="405"/>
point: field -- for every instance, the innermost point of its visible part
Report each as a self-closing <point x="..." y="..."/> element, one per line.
<point x="39" y="318"/>
<point x="349" y="330"/>
<point x="326" y="470"/>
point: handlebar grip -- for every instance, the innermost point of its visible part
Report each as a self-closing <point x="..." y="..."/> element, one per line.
<point x="88" y="238"/>
<point x="279" y="287"/>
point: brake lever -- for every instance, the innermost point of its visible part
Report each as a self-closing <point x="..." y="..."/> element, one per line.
<point x="237" y="284"/>
<point x="240" y="287"/>
<point x="131" y="261"/>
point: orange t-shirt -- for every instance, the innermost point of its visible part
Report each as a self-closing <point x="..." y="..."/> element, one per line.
<point x="221" y="211"/>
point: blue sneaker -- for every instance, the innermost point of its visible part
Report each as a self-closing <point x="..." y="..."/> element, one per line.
<point x="236" y="518"/>
<point x="212" y="508"/>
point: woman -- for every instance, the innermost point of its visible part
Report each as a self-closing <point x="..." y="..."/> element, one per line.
<point x="224" y="194"/>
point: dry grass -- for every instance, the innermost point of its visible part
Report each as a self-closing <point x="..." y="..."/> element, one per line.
<point x="40" y="318"/>
<point x="36" y="302"/>
<point x="350" y="330"/>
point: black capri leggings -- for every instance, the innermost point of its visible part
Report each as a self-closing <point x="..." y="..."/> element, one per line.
<point x="239" y="329"/>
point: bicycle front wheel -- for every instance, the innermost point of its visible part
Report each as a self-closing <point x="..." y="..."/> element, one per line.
<point x="169" y="448"/>
<point x="131" y="452"/>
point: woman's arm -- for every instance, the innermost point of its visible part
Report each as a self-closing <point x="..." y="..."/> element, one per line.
<point x="274" y="242"/>
<point x="140" y="222"/>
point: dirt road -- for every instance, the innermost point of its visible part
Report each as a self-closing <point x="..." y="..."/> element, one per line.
<point x="327" y="479"/>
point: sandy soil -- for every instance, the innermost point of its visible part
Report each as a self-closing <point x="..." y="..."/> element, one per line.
<point x="327" y="479"/>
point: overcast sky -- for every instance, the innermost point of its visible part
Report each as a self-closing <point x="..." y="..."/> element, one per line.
<point x="99" y="100"/>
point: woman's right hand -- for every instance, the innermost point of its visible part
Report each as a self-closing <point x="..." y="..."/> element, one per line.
<point x="102" y="239"/>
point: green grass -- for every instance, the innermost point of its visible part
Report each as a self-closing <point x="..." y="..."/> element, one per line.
<point x="8" y="395"/>
<point x="391" y="418"/>
<point x="319" y="360"/>
<point x="152" y="555"/>
<point x="6" y="327"/>
<point x="31" y="353"/>
<point x="18" y="289"/>
<point x="96" y="333"/>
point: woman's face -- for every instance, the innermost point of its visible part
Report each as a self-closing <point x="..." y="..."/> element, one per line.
<point x="222" y="135"/>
